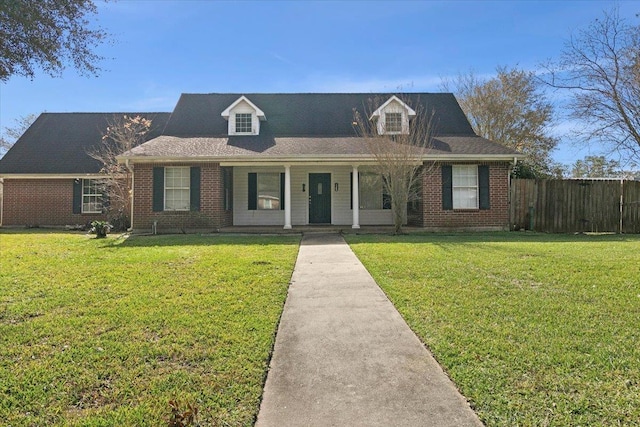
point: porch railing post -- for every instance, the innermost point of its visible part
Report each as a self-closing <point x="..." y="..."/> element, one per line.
<point x="287" y="197"/>
<point x="356" y="198"/>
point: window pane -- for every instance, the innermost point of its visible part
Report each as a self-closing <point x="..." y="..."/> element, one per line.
<point x="465" y="186"/>
<point x="177" y="177"/>
<point x="176" y="188"/>
<point x="91" y="196"/>
<point x="177" y="200"/>
<point x="269" y="191"/>
<point x="465" y="198"/>
<point x="243" y="122"/>
<point x="370" y="191"/>
<point x="91" y="204"/>
<point x="393" y="122"/>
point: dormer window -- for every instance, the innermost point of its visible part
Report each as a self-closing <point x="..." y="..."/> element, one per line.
<point x="392" y="117"/>
<point x="243" y="123"/>
<point x="393" y="122"/>
<point x="244" y="117"/>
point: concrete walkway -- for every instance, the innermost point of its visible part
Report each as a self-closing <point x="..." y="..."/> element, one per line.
<point x="345" y="357"/>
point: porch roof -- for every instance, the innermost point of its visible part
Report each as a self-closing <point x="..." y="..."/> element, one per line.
<point x="250" y="148"/>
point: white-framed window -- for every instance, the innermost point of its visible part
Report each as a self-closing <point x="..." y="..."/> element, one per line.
<point x="465" y="186"/>
<point x="268" y="191"/>
<point x="244" y="123"/>
<point x="176" y="188"/>
<point x="371" y="192"/>
<point x="393" y="122"/>
<point x="91" y="196"/>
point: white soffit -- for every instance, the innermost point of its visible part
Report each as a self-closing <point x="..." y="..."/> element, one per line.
<point x="378" y="112"/>
<point x="243" y="98"/>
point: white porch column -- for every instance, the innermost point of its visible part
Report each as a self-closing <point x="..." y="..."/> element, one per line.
<point x="356" y="198"/>
<point x="287" y="197"/>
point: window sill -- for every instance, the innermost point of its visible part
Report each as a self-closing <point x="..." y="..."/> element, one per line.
<point x="394" y="133"/>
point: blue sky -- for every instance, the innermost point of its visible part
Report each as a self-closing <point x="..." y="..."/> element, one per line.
<point x="159" y="49"/>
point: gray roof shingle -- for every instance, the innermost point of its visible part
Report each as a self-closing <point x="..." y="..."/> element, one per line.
<point x="297" y="125"/>
<point x="58" y="143"/>
<point x="248" y="147"/>
<point x="310" y="124"/>
<point x="307" y="114"/>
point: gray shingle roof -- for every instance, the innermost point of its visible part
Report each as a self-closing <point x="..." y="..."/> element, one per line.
<point x="297" y="125"/>
<point x="312" y="124"/>
<point x="248" y="147"/>
<point x="308" y="114"/>
<point x="58" y="143"/>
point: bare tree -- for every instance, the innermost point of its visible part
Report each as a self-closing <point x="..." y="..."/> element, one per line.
<point x="596" y="167"/>
<point x="398" y="155"/>
<point x="122" y="134"/>
<point x="510" y="109"/>
<point x="46" y="34"/>
<point x="11" y="134"/>
<point x="600" y="66"/>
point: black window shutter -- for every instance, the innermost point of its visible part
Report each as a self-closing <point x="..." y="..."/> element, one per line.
<point x="483" y="186"/>
<point x="194" y="189"/>
<point x="386" y="197"/>
<point x="77" y="196"/>
<point x="282" y="201"/>
<point x="158" y="189"/>
<point x="253" y="191"/>
<point x="447" y="187"/>
<point x="227" y="187"/>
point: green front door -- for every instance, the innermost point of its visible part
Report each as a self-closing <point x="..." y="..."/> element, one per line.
<point x="320" y="198"/>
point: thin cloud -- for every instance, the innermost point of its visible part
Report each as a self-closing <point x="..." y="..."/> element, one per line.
<point x="282" y="59"/>
<point x="351" y="85"/>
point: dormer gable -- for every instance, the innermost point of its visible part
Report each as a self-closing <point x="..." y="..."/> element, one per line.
<point x="392" y="117"/>
<point x="244" y="117"/>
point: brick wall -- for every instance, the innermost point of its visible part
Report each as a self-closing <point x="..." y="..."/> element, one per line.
<point x="210" y="216"/>
<point x="497" y="217"/>
<point x="41" y="202"/>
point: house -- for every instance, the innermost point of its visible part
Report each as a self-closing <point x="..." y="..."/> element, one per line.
<point x="49" y="179"/>
<point x="281" y="160"/>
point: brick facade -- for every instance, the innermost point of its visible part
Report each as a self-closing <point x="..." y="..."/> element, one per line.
<point x="435" y="218"/>
<point x="41" y="202"/>
<point x="211" y="215"/>
<point x="49" y="202"/>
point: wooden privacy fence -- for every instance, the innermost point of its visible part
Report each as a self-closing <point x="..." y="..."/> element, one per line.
<point x="575" y="205"/>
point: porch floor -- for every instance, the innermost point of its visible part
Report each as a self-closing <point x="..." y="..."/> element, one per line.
<point x="309" y="229"/>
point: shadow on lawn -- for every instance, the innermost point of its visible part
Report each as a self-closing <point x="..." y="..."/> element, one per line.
<point x="137" y="241"/>
<point x="492" y="237"/>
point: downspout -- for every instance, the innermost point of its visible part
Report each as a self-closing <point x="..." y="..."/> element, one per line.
<point x="509" y="198"/>
<point x="130" y="168"/>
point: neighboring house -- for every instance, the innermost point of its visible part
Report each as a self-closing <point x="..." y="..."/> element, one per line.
<point x="48" y="178"/>
<point x="289" y="160"/>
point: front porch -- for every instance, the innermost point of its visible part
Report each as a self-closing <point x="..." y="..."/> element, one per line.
<point x="317" y="195"/>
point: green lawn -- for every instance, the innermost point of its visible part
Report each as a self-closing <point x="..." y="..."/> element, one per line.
<point x="534" y="329"/>
<point x="107" y="332"/>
